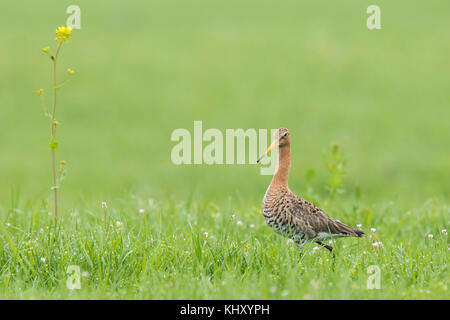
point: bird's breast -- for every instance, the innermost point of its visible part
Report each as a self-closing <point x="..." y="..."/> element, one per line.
<point x="277" y="209"/>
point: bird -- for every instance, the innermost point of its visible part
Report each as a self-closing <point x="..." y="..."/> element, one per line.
<point x="290" y="215"/>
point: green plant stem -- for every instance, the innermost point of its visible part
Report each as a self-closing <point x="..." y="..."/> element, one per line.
<point x="55" y="190"/>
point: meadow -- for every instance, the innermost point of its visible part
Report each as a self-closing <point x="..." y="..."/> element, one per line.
<point x="166" y="231"/>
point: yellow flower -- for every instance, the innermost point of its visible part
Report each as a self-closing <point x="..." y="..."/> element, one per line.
<point x="40" y="92"/>
<point x="70" y="71"/>
<point x="63" y="34"/>
<point x="46" y="49"/>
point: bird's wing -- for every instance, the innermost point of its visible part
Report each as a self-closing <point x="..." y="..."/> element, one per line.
<point x="317" y="221"/>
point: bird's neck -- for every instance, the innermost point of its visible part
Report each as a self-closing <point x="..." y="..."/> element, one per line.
<point x="280" y="178"/>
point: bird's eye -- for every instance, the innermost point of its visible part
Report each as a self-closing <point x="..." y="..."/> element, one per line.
<point x="286" y="134"/>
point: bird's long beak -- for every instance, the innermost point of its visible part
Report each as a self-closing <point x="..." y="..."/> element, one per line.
<point x="273" y="145"/>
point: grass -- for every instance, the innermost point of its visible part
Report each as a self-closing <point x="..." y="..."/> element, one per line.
<point x="199" y="251"/>
<point x="145" y="69"/>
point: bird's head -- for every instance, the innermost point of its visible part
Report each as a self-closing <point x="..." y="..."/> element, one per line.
<point x="281" y="139"/>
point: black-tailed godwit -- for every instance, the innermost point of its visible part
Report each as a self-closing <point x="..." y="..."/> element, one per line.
<point x="292" y="216"/>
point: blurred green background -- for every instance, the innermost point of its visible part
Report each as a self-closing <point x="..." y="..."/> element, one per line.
<point x="145" y="68"/>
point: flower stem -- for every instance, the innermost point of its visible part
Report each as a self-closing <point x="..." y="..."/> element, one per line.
<point x="53" y="150"/>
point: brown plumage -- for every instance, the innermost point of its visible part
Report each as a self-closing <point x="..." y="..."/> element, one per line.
<point x="291" y="215"/>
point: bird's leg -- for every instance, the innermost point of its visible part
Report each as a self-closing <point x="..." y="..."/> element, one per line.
<point x="300" y="248"/>
<point x="327" y="247"/>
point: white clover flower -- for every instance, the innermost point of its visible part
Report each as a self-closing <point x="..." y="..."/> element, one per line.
<point x="239" y="223"/>
<point x="233" y="216"/>
<point x="373" y="230"/>
<point x="444" y="231"/>
<point x="8" y="224"/>
<point x="42" y="259"/>
<point x="430" y="236"/>
<point x="315" y="248"/>
<point x="104" y="205"/>
<point x="118" y="224"/>
<point x="359" y="225"/>
<point x="289" y="241"/>
<point x="377" y="244"/>
<point x="285" y="293"/>
<point x="205" y="234"/>
<point x="141" y="211"/>
<point x="252" y="226"/>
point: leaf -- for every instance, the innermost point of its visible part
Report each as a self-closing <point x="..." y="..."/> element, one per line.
<point x="53" y="144"/>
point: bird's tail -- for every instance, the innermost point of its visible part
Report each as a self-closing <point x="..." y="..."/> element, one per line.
<point x="340" y="228"/>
